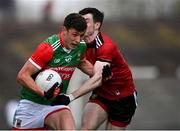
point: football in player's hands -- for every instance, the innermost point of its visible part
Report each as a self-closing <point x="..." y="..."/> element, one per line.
<point x="50" y="82"/>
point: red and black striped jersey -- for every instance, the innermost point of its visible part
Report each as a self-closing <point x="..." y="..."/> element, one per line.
<point x="121" y="84"/>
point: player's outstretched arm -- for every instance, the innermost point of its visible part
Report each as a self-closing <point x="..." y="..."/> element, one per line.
<point x="86" y="67"/>
<point x="102" y="72"/>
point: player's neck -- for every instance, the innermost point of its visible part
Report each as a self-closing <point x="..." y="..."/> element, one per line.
<point x="94" y="35"/>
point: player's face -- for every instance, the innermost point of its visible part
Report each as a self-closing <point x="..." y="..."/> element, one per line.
<point x="90" y="31"/>
<point x="71" y="38"/>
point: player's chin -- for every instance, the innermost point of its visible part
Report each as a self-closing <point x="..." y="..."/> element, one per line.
<point x="87" y="40"/>
<point x="73" y="46"/>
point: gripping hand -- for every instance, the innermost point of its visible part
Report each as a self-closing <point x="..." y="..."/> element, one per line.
<point x="106" y="72"/>
<point x="53" y="91"/>
<point x="62" y="99"/>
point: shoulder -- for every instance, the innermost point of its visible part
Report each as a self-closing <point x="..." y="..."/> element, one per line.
<point x="108" y="44"/>
<point x="54" y="39"/>
<point x="82" y="45"/>
<point x="107" y="39"/>
<point x="44" y="47"/>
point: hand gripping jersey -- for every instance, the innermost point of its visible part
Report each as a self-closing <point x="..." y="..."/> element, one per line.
<point x="121" y="84"/>
<point x="51" y="54"/>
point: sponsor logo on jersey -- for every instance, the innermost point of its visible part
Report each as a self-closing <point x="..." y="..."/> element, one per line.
<point x="64" y="71"/>
<point x="56" y="60"/>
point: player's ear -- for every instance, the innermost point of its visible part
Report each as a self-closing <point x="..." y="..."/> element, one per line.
<point x="63" y="28"/>
<point x="97" y="25"/>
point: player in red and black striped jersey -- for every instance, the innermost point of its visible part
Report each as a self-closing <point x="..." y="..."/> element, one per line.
<point x="113" y="100"/>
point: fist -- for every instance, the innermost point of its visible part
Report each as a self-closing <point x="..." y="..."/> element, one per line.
<point x="106" y="72"/>
<point x="61" y="99"/>
<point x="53" y="91"/>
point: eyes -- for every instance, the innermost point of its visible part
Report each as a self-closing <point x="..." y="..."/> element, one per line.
<point x="77" y="34"/>
<point x="74" y="33"/>
<point x="81" y="35"/>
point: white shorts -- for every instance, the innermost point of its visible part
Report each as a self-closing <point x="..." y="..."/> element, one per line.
<point x="30" y="115"/>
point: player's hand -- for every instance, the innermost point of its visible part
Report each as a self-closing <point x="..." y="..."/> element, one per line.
<point x="106" y="72"/>
<point x="53" y="91"/>
<point x="62" y="99"/>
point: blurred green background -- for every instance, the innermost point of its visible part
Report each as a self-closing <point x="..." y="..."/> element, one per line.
<point x="146" y="31"/>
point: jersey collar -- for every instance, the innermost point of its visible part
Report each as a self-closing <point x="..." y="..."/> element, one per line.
<point x="62" y="43"/>
<point x="97" y="42"/>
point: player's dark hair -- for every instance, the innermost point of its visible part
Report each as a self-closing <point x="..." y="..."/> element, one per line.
<point x="75" y="21"/>
<point x="98" y="16"/>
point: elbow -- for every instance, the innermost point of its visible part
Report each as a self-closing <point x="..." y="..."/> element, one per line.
<point x="20" y="78"/>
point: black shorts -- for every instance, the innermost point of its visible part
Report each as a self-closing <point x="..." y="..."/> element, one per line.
<point x="121" y="111"/>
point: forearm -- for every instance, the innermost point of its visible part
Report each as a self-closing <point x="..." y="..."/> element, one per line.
<point x="86" y="67"/>
<point x="88" y="86"/>
<point x="25" y="79"/>
<point x="29" y="83"/>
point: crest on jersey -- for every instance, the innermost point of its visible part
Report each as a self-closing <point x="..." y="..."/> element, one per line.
<point x="78" y="56"/>
<point x="117" y="92"/>
<point x="68" y="58"/>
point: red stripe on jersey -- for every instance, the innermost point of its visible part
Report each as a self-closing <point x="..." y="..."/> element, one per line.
<point x="61" y="40"/>
<point x="42" y="54"/>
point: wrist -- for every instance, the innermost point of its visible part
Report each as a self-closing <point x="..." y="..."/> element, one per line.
<point x="41" y="93"/>
<point x="45" y="95"/>
<point x="71" y="97"/>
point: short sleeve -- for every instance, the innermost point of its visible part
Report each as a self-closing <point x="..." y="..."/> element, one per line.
<point x="106" y="52"/>
<point x="42" y="55"/>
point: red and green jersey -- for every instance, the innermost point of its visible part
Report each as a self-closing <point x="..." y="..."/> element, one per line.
<point x="51" y="54"/>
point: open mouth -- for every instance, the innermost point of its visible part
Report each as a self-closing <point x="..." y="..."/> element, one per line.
<point x="73" y="45"/>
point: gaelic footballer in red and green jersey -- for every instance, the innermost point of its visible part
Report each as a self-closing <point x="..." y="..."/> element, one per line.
<point x="51" y="54"/>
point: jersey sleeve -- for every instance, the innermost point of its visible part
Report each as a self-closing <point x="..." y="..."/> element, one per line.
<point x="106" y="52"/>
<point x="42" y="55"/>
